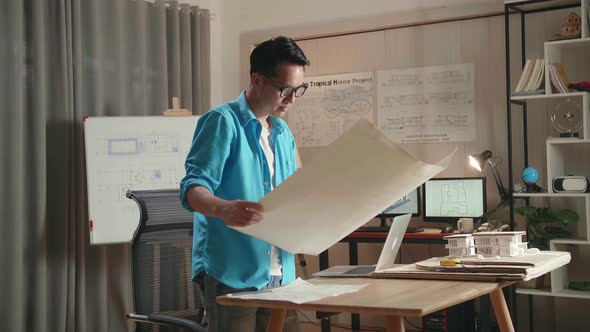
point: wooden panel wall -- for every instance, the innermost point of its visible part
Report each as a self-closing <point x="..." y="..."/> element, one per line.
<point x="478" y="41"/>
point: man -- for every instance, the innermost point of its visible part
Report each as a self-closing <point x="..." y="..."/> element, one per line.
<point x="241" y="150"/>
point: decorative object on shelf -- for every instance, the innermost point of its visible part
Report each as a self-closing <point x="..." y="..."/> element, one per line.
<point x="544" y="224"/>
<point x="581" y="86"/>
<point x="579" y="285"/>
<point x="530" y="176"/>
<point x="478" y="162"/>
<point x="571" y="27"/>
<point x="571" y="184"/>
<point x="566" y="118"/>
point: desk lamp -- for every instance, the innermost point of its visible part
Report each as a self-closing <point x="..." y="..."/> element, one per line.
<point x="478" y="161"/>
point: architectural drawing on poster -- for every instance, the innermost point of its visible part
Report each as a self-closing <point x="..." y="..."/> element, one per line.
<point x="427" y="104"/>
<point x="140" y="163"/>
<point x="330" y="106"/>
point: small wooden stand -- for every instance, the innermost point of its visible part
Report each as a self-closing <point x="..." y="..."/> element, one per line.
<point x="176" y="110"/>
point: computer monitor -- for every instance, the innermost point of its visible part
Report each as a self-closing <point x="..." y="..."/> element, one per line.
<point x="448" y="199"/>
<point x="410" y="203"/>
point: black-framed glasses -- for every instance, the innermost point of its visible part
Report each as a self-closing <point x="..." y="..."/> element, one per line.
<point x="287" y="91"/>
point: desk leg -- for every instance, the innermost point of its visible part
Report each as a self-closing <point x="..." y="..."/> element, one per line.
<point x="531" y="315"/>
<point x="501" y="310"/>
<point x="324" y="260"/>
<point x="276" y="320"/>
<point x="324" y="264"/>
<point x="485" y="314"/>
<point x="395" y="324"/>
<point x="353" y="258"/>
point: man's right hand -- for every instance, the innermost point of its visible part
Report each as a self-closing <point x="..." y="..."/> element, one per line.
<point x="240" y="213"/>
<point x="235" y="213"/>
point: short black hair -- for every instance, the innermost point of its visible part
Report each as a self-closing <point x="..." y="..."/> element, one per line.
<point x="267" y="57"/>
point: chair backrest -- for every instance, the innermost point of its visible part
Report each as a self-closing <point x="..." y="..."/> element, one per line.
<point x="161" y="259"/>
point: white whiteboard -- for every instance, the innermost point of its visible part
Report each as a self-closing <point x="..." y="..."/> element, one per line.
<point x="123" y="153"/>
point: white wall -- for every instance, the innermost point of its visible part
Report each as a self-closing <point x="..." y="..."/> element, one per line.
<point x="234" y="21"/>
<point x="238" y="19"/>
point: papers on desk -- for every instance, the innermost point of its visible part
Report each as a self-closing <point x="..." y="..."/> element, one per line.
<point x="350" y="182"/>
<point x="299" y="291"/>
<point x="515" y="268"/>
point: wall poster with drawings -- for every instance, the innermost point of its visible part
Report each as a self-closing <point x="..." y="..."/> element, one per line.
<point x="427" y="104"/>
<point x="330" y="106"/>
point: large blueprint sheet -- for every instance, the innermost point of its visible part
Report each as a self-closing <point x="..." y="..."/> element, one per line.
<point x="354" y="179"/>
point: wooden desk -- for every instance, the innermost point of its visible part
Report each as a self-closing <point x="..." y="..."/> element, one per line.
<point x="392" y="298"/>
<point x="356" y="237"/>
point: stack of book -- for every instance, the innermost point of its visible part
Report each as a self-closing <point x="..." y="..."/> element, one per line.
<point x="558" y="79"/>
<point x="532" y="78"/>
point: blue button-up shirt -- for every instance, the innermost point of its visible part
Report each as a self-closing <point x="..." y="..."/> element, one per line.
<point x="226" y="158"/>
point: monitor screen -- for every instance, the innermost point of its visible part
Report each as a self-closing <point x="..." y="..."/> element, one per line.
<point x="410" y="203"/>
<point x="448" y="199"/>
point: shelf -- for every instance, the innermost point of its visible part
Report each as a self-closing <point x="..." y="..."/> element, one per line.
<point x="567" y="141"/>
<point x="534" y="291"/>
<point x="550" y="195"/>
<point x="562" y="293"/>
<point x="550" y="96"/>
<point x="539" y="5"/>
<point x="570" y="241"/>
<point x="569" y="43"/>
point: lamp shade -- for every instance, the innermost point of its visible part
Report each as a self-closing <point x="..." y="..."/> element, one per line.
<point x="477" y="161"/>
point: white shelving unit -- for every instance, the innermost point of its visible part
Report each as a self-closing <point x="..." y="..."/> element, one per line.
<point x="565" y="156"/>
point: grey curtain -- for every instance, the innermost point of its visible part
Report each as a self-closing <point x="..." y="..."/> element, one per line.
<point x="61" y="60"/>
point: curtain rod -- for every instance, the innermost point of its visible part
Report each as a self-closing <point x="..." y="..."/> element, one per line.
<point x="182" y="6"/>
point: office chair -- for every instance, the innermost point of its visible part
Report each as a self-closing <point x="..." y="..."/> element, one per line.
<point x="165" y="297"/>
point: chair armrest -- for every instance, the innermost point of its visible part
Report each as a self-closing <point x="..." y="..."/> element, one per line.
<point x="166" y="320"/>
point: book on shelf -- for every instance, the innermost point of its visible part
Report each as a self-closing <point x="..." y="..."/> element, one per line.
<point x="530" y="93"/>
<point x="524" y="76"/>
<point x="558" y="78"/>
<point x="531" y="78"/>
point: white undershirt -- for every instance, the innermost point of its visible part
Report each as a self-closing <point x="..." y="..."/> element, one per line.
<point x="266" y="144"/>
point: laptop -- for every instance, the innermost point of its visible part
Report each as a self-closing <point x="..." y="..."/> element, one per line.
<point x="386" y="259"/>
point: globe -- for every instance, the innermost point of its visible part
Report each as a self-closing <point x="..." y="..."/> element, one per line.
<point x="530" y="175"/>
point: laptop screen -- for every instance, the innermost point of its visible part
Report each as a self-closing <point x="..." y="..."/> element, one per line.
<point x="393" y="242"/>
